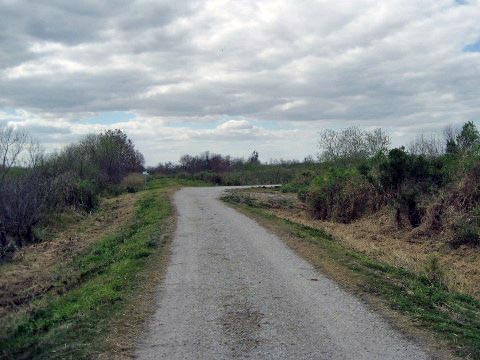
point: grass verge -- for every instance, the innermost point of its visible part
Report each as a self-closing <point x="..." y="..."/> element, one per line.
<point x="73" y="324"/>
<point x="162" y="182"/>
<point x="453" y="317"/>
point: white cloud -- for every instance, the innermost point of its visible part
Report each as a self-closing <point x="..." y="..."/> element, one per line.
<point x="183" y="66"/>
<point x="235" y="125"/>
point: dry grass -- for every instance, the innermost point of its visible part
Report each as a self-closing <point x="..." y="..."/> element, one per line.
<point x="378" y="237"/>
<point x="31" y="272"/>
<point x="133" y="182"/>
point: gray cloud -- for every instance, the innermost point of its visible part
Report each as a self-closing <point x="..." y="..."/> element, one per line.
<point x="302" y="65"/>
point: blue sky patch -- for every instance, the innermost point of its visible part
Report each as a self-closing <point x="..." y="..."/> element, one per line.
<point x="9" y="111"/>
<point x="475" y="47"/>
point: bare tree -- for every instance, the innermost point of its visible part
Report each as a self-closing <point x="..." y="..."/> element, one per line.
<point x="330" y="145"/>
<point x="427" y="145"/>
<point x="352" y="143"/>
<point x="35" y="154"/>
<point x="450" y="133"/>
<point x="12" y="143"/>
<point x="377" y="141"/>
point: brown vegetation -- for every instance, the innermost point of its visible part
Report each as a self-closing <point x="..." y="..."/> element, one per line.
<point x="133" y="182"/>
<point x="379" y="236"/>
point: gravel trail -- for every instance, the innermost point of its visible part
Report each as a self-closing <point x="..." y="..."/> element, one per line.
<point x="235" y="291"/>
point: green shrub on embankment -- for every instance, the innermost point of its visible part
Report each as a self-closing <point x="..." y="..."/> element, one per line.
<point x="437" y="192"/>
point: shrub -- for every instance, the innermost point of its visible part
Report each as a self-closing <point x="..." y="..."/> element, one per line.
<point x="210" y="177"/>
<point x="84" y="195"/>
<point x="69" y="191"/>
<point x="467" y="229"/>
<point x="465" y="234"/>
<point x="342" y="195"/>
<point x="23" y="203"/>
<point x="291" y="187"/>
<point x="467" y="195"/>
<point x="400" y="168"/>
<point x="407" y="202"/>
<point x="133" y="182"/>
<point x="299" y="184"/>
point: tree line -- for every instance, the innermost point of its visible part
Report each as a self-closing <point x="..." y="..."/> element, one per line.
<point x="205" y="162"/>
<point x="34" y="185"/>
<point x="432" y="183"/>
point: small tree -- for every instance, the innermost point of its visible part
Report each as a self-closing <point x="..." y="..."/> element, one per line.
<point x="394" y="170"/>
<point x="12" y="143"/>
<point x="377" y="142"/>
<point x="469" y="137"/>
<point x="253" y="159"/>
<point x="451" y="147"/>
<point x="450" y="135"/>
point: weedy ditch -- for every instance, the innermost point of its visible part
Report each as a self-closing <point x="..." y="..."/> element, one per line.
<point x="453" y="317"/>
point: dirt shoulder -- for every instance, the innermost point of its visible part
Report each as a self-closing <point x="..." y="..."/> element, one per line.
<point x="378" y="237"/>
<point x="413" y="301"/>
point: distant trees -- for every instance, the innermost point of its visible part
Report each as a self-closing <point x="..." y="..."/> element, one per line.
<point x="462" y="141"/>
<point x="352" y="144"/>
<point x="429" y="146"/>
<point x="253" y="159"/>
<point x="205" y="162"/>
<point x="468" y="139"/>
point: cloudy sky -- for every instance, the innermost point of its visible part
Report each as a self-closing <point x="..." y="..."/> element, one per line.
<point x="233" y="76"/>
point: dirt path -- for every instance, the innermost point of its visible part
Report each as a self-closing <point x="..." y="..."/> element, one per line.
<point x="233" y="290"/>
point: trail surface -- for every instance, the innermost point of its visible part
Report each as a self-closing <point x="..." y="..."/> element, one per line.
<point x="235" y="291"/>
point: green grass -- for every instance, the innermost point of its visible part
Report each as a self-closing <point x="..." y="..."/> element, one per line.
<point x="164" y="181"/>
<point x="452" y="316"/>
<point x="72" y="325"/>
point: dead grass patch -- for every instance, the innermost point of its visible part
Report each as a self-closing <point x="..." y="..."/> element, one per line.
<point x="378" y="237"/>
